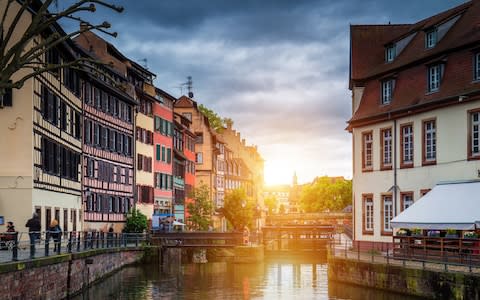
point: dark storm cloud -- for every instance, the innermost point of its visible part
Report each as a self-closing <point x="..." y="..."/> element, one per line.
<point x="279" y="68"/>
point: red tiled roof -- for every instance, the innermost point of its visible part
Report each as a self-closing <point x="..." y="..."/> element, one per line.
<point x="409" y="66"/>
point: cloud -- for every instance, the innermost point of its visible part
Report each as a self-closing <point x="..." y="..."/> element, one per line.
<point x="279" y="68"/>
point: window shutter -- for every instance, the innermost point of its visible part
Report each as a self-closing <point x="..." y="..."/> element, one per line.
<point x="163" y="154"/>
<point x="158" y="152"/>
<point x="139" y="162"/>
<point x="169" y="155"/>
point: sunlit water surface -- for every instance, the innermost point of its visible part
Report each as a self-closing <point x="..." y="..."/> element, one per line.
<point x="268" y="280"/>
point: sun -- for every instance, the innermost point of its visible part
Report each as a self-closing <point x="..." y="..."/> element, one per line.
<point x="277" y="173"/>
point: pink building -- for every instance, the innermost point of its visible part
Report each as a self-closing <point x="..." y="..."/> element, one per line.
<point x="163" y="152"/>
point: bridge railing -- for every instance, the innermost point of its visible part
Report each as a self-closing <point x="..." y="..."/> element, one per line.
<point x="16" y="246"/>
<point x="197" y="239"/>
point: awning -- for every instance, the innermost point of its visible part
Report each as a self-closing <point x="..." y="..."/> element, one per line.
<point x="454" y="205"/>
<point x="176" y="223"/>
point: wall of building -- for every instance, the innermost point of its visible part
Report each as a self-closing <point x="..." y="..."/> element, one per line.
<point x="58" y="277"/>
<point x="452" y="163"/>
<point x="398" y="279"/>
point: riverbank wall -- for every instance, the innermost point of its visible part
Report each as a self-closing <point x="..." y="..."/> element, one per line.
<point x="433" y="284"/>
<point x="60" y="276"/>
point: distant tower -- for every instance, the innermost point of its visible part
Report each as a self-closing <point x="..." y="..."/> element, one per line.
<point x="295" y="180"/>
<point x="294" y="194"/>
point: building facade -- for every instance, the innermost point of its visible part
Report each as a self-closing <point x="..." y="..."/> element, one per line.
<point x="163" y="164"/>
<point x="109" y="103"/>
<point x="415" y="114"/>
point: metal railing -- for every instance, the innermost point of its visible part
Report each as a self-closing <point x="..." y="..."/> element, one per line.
<point x="16" y="246"/>
<point x="345" y="249"/>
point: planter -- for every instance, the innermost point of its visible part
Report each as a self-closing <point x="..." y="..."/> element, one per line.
<point x="451" y="236"/>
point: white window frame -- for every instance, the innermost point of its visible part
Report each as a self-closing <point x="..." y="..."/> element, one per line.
<point x="387" y="91"/>
<point x="369" y="214"/>
<point x="430" y="140"/>
<point x="387" y="146"/>
<point x="435" y="74"/>
<point x="387" y="212"/>
<point x="475" y="133"/>
<point x="407" y="200"/>
<point x="368" y="148"/>
<point x="407" y="144"/>
<point x="431" y="38"/>
<point x="390" y="53"/>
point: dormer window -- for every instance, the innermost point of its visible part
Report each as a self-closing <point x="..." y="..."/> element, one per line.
<point x="387" y="90"/>
<point x="435" y="74"/>
<point x="431" y="38"/>
<point x="390" y="53"/>
<point x="477" y="67"/>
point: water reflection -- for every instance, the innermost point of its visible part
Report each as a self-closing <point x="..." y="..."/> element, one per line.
<point x="269" y="280"/>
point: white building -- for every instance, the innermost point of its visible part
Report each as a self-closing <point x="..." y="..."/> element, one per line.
<point x="415" y="114"/>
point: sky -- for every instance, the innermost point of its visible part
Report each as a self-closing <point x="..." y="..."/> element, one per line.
<point x="278" y="68"/>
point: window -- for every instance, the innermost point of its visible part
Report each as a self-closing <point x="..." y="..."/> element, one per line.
<point x="435" y="74"/>
<point x="390" y="53"/>
<point x="49" y="106"/>
<point x="199" y="158"/>
<point x="367" y="150"/>
<point x="406" y="136"/>
<point x="387" y="214"/>
<point x="474" y="138"/>
<point x="386" y="137"/>
<point x="476" y="67"/>
<point x="188" y="116"/>
<point x="406" y="200"/>
<point x="387" y="91"/>
<point x="157" y="152"/>
<point x="430" y="38"/>
<point x="429" y="142"/>
<point x="368" y="214"/>
<point x="52" y="58"/>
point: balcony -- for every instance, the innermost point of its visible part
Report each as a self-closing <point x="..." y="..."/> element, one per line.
<point x="178" y="182"/>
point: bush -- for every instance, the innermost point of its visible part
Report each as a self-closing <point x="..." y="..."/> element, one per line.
<point x="136" y="221"/>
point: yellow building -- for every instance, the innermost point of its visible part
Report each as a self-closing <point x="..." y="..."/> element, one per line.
<point x="41" y="132"/>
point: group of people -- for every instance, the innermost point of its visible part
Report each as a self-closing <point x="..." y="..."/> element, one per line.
<point x="54" y="231"/>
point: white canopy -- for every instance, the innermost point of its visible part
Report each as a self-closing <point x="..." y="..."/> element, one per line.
<point x="175" y="223"/>
<point x="447" y="205"/>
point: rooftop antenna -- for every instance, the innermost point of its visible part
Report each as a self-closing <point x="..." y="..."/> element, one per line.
<point x="145" y="61"/>
<point x="189" y="85"/>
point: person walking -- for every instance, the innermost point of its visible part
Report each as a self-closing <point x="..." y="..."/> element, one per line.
<point x="34" y="228"/>
<point x="56" y="234"/>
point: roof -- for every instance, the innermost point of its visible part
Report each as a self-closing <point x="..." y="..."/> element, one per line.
<point x="368" y="66"/>
<point x="448" y="205"/>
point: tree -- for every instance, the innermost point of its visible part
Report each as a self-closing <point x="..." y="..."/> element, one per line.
<point x="326" y="194"/>
<point x="216" y="122"/>
<point x="27" y="49"/>
<point x="136" y="221"/>
<point x="271" y="203"/>
<point x="201" y="209"/>
<point x="239" y="209"/>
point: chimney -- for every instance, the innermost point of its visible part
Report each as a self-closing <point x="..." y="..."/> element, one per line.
<point x="83" y="26"/>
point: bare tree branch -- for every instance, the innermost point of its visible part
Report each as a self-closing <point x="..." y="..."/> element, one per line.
<point x="21" y="54"/>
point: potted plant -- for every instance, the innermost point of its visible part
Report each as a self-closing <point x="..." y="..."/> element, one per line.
<point x="451" y="233"/>
<point x="433" y="233"/>
<point x="402" y="232"/>
<point x="470" y="235"/>
<point x="417" y="232"/>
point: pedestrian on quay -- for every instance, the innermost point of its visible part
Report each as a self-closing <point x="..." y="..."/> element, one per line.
<point x="10" y="227"/>
<point x="34" y="228"/>
<point x="110" y="237"/>
<point x="56" y="234"/>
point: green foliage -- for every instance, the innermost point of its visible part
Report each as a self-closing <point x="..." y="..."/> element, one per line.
<point x="239" y="209"/>
<point x="326" y="194"/>
<point x="216" y="122"/>
<point x="201" y="209"/>
<point x="281" y="209"/>
<point x="451" y="231"/>
<point x="271" y="203"/>
<point x="136" y="221"/>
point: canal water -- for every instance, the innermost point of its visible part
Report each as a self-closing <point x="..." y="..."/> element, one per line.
<point x="272" y="279"/>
